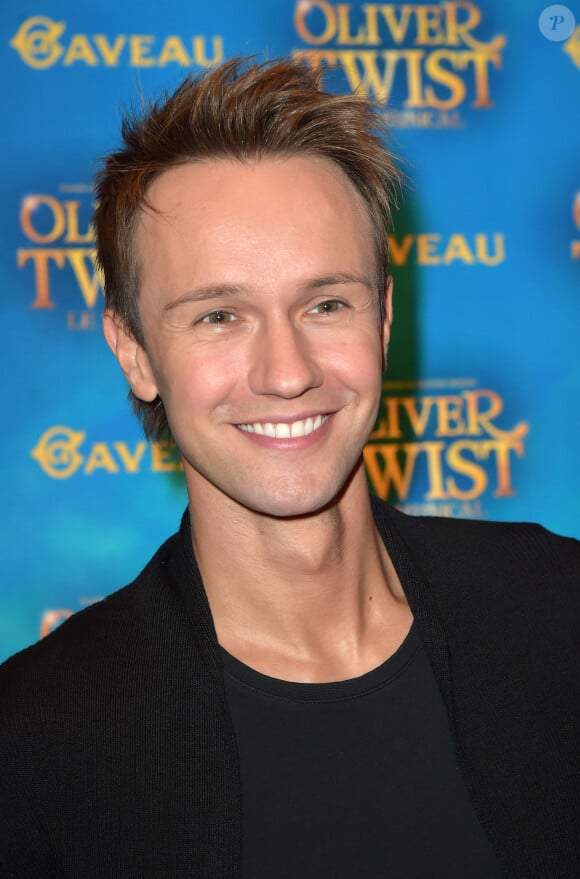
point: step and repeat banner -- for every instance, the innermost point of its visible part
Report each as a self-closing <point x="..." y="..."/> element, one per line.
<point x="480" y="416"/>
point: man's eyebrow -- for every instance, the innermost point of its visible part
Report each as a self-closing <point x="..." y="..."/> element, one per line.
<point x="339" y="278"/>
<point x="217" y="291"/>
<point x="204" y="294"/>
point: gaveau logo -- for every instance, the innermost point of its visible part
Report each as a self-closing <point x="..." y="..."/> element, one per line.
<point x="63" y="452"/>
<point x="431" y="249"/>
<point x="427" y="53"/>
<point x="42" y="43"/>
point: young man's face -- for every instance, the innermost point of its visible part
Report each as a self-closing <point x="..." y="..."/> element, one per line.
<point x="260" y="315"/>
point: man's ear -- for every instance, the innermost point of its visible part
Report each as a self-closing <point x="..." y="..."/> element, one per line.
<point x="387" y="317"/>
<point x="131" y="356"/>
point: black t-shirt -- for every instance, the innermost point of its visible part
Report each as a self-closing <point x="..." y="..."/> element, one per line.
<point x="353" y="780"/>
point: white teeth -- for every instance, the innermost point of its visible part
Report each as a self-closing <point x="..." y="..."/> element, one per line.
<point x="283" y="430"/>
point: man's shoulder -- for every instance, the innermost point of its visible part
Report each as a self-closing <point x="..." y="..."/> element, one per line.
<point x="479" y="549"/>
<point x="91" y="642"/>
<point x="449" y="530"/>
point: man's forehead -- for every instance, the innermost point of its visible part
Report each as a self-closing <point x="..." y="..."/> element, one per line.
<point x="198" y="179"/>
<point x="247" y="217"/>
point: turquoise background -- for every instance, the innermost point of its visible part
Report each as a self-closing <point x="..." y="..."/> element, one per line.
<point x="511" y="170"/>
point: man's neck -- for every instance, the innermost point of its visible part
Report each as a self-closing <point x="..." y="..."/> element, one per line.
<point x="312" y="598"/>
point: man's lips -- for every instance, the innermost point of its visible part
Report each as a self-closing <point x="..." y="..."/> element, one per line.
<point x="285" y="429"/>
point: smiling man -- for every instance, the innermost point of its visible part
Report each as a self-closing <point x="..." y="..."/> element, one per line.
<point x="302" y="683"/>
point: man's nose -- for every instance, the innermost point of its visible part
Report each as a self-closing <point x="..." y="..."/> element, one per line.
<point x="283" y="361"/>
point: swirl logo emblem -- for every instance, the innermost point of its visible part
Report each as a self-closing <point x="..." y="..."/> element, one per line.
<point x="57" y="451"/>
<point x="36" y="41"/>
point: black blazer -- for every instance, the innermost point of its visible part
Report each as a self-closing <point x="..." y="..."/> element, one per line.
<point x="118" y="758"/>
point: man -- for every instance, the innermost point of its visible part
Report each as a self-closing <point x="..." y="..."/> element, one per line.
<point x="301" y="683"/>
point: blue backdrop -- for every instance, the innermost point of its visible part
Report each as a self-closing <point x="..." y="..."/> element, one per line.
<point x="480" y="413"/>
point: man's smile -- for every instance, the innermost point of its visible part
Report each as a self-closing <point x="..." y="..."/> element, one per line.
<point x="285" y="430"/>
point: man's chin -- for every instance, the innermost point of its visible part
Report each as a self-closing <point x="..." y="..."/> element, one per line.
<point x="288" y="505"/>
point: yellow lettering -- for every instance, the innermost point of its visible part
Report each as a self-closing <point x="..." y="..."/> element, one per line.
<point x="372" y="23"/>
<point x="80" y="50"/>
<point x="131" y="460"/>
<point x="392" y="467"/>
<point x="40" y="258"/>
<point x="199" y="54"/>
<point x="385" y="470"/>
<point x="74" y="236"/>
<point x="302" y="10"/>
<point x="444" y="77"/>
<point x="449" y="420"/>
<point x="173" y="50"/>
<point x="413" y="59"/>
<point x="345" y="38"/>
<point x="30" y="205"/>
<point x="389" y="427"/>
<point x="400" y="252"/>
<point x="459" y="33"/>
<point x="165" y="457"/>
<point x="397" y="28"/>
<point x="100" y="458"/>
<point x="110" y="52"/>
<point x="435" y="470"/>
<point x="483" y="252"/>
<point x="481" y="422"/>
<point x="317" y="57"/>
<point x="368" y="80"/>
<point x="426" y="247"/>
<point x="502" y="455"/>
<point x="418" y="410"/>
<point x="90" y="283"/>
<point x="139" y="50"/>
<point x="467" y="468"/>
<point x="392" y="405"/>
<point x="458" y="249"/>
<point x="481" y="64"/>
<point x="429" y="32"/>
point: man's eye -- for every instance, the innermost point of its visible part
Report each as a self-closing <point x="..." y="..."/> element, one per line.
<point x="217" y="317"/>
<point x="328" y="306"/>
